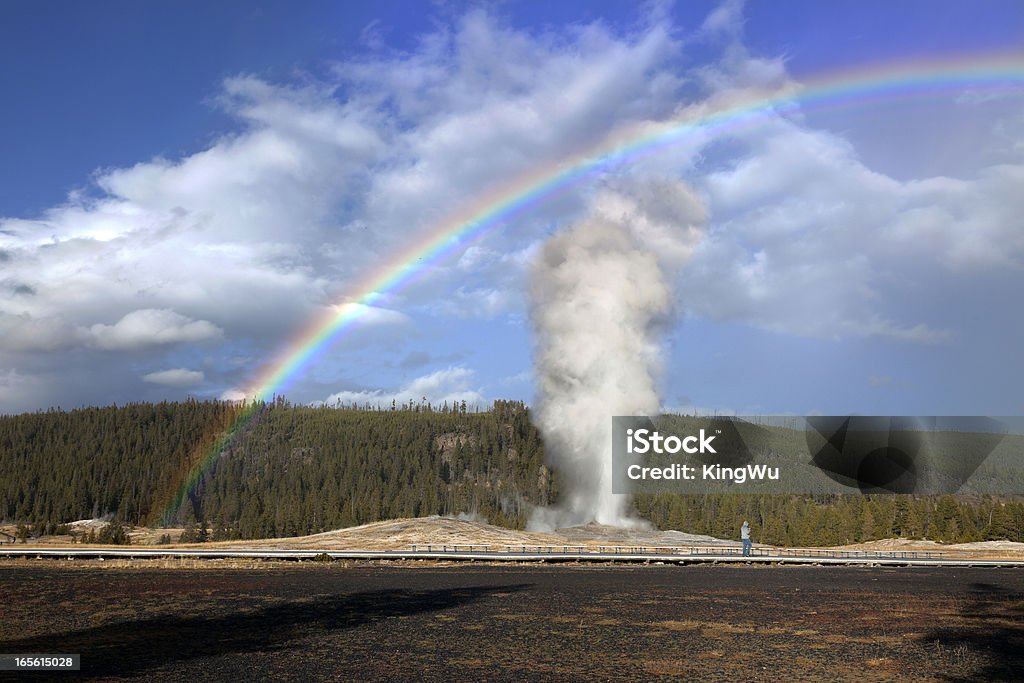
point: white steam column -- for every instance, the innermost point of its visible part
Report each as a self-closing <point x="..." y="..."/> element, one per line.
<point x="598" y="298"/>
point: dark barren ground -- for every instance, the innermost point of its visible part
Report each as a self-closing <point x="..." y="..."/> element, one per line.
<point x="473" y="622"/>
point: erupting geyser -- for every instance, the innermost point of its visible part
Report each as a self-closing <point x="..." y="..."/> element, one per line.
<point x="599" y="295"/>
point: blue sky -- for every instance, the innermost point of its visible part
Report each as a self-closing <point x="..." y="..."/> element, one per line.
<point x="186" y="185"/>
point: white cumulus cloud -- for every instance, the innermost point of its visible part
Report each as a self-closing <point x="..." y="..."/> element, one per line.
<point x="453" y="384"/>
<point x="176" y="377"/>
<point x="149" y="327"/>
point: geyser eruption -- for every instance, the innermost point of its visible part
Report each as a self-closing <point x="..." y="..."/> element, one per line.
<point x="599" y="295"/>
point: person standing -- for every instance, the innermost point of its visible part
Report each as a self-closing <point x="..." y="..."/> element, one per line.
<point x="745" y="536"/>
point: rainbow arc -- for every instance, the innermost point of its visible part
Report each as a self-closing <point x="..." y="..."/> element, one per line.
<point x="988" y="74"/>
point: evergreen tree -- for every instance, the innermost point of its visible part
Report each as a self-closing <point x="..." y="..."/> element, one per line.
<point x="275" y="468"/>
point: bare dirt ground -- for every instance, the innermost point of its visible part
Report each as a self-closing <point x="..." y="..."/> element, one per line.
<point x="338" y="621"/>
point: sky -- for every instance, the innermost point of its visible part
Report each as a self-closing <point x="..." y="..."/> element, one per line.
<point x="186" y="186"/>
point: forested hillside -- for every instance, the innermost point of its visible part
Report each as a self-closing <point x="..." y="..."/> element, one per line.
<point x="292" y="470"/>
<point x="288" y="470"/>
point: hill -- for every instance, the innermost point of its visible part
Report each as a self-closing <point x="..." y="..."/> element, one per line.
<point x="222" y="471"/>
<point x="285" y="470"/>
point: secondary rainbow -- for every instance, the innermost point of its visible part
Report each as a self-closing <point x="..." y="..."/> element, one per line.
<point x="989" y="74"/>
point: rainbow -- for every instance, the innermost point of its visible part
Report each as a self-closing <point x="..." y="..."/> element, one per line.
<point x="854" y="88"/>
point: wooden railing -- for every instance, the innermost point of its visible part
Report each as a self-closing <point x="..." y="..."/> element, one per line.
<point x="682" y="551"/>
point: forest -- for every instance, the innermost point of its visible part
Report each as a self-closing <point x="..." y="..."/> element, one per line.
<point x="225" y="470"/>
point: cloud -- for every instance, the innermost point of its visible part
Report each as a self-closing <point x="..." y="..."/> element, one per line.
<point x="315" y="187"/>
<point x="224" y="244"/>
<point x="371" y="315"/>
<point x="149" y="327"/>
<point x="483" y="303"/>
<point x="484" y="103"/>
<point x="178" y="377"/>
<point x="233" y="394"/>
<point x="418" y="359"/>
<point x="23" y="332"/>
<point x="452" y="385"/>
<point x="19" y="391"/>
<point x="522" y="377"/>
<point x="726" y="19"/>
<point x="808" y="241"/>
<point x="320" y="186"/>
<point x="415" y="359"/>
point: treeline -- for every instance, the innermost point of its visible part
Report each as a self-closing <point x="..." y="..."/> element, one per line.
<point x="291" y="470"/>
<point x="285" y="470"/>
<point x="837" y="519"/>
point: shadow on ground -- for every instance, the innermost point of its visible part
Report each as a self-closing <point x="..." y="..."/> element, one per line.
<point x="128" y="647"/>
<point x="994" y="628"/>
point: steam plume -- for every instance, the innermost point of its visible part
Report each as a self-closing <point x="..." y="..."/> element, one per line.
<point x="598" y="297"/>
